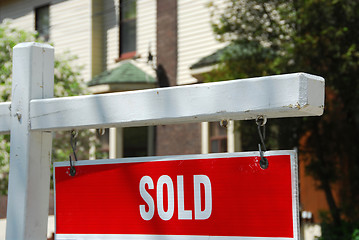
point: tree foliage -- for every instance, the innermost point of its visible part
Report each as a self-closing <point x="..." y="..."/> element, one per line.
<point x="68" y="82"/>
<point x="318" y="37"/>
<point x="326" y="45"/>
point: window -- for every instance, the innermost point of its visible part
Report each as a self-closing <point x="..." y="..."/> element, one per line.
<point x="42" y="22"/>
<point x="135" y="142"/>
<point x="217" y="137"/>
<point x="127" y="28"/>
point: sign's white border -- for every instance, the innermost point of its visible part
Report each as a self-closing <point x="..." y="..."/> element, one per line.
<point x="295" y="196"/>
<point x="154" y="237"/>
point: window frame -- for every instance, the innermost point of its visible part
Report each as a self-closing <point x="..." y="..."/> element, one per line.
<point x="128" y="54"/>
<point x="37" y="27"/>
<point x="215" y="134"/>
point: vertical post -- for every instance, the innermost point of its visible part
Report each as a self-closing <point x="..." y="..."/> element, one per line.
<point x="205" y="137"/>
<point x="230" y="137"/>
<point x="30" y="152"/>
<point x="116" y="142"/>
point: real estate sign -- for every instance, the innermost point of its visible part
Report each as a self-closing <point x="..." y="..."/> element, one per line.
<point x="215" y="196"/>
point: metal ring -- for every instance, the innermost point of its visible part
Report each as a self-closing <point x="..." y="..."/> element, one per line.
<point x="223" y="123"/>
<point x="261" y="120"/>
<point x="101" y="131"/>
<point x="74" y="133"/>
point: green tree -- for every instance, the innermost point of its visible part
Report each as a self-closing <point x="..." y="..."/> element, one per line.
<point x="259" y="32"/>
<point x="318" y="37"/>
<point x="68" y="82"/>
<point x="326" y="44"/>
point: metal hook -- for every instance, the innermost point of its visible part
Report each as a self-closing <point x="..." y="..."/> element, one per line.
<point x="101" y="131"/>
<point x="224" y="123"/>
<point x="264" y="161"/>
<point x="261" y="122"/>
<point x="73" y="146"/>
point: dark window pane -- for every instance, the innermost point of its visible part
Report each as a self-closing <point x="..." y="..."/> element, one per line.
<point x="128" y="36"/>
<point x="214" y="146"/>
<point x="217" y="137"/>
<point x="221" y="131"/>
<point x="42" y="22"/>
<point x="128" y="9"/>
<point x="135" y="141"/>
<point x="127" y="26"/>
<point x="223" y="145"/>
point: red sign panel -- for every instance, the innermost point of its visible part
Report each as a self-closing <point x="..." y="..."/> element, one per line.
<point x="179" y="197"/>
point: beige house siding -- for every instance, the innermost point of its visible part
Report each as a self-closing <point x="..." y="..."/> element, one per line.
<point x="146" y="28"/>
<point x="20" y="13"/>
<point x="146" y="32"/>
<point x="195" y="37"/>
<point x="88" y="29"/>
<point x="98" y="63"/>
<point x="71" y="27"/>
<point x="110" y="32"/>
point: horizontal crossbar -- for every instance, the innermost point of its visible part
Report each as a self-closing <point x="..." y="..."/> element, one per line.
<point x="288" y="95"/>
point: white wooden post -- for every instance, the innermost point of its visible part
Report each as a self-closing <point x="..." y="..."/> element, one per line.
<point x="205" y="137"/>
<point x="30" y="153"/>
<point x="116" y="143"/>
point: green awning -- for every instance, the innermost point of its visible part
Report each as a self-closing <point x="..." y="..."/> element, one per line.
<point x="209" y="60"/>
<point x="125" y="73"/>
<point x="235" y="51"/>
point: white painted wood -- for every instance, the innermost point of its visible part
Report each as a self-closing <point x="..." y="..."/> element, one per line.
<point x="30" y="153"/>
<point x="205" y="137"/>
<point x="230" y="137"/>
<point x="288" y="95"/>
<point x="116" y="143"/>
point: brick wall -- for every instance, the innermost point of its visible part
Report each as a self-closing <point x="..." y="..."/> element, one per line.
<point x="167" y="39"/>
<point x="172" y="139"/>
<point x="3" y="206"/>
<point x="179" y="139"/>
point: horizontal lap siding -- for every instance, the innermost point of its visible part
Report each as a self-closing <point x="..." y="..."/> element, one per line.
<point x="71" y="31"/>
<point x="110" y="32"/>
<point x="195" y="37"/>
<point x="146" y="27"/>
<point x="20" y="13"/>
<point x="70" y="25"/>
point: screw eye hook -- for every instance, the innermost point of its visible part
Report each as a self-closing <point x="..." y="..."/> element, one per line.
<point x="264" y="161"/>
<point x="261" y="122"/>
<point x="73" y="143"/>
<point x="224" y="123"/>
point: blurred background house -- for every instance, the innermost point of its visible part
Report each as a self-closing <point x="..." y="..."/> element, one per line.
<point x="126" y="45"/>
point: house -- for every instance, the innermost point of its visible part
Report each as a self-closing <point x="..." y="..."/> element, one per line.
<point x="128" y="45"/>
<point x="159" y="38"/>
